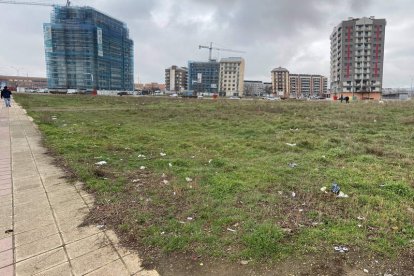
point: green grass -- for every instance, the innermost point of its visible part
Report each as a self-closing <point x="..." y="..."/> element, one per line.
<point x="240" y="197"/>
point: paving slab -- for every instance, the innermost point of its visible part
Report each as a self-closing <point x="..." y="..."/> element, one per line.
<point x="42" y="215"/>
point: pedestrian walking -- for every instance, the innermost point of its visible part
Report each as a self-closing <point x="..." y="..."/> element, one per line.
<point x="347" y="99"/>
<point x="341" y="98"/>
<point x="6" y="94"/>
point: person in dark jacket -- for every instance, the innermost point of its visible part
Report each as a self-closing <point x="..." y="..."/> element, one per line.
<point x="6" y="94"/>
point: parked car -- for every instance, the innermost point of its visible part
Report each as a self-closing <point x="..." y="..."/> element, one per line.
<point x="234" y="98"/>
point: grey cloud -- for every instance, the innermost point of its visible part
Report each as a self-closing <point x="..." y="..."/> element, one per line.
<point x="293" y="34"/>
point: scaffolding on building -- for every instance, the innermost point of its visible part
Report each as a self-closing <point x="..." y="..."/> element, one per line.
<point x="87" y="50"/>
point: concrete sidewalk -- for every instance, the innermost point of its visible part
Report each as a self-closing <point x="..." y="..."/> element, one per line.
<point x="40" y="213"/>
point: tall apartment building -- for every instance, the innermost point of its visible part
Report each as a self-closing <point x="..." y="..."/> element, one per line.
<point x="86" y="49"/>
<point x="176" y="78"/>
<point x="203" y="77"/>
<point x="288" y="85"/>
<point x="357" y="57"/>
<point x="231" y="80"/>
<point x="280" y="82"/>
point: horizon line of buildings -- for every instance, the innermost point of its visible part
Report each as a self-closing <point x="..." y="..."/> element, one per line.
<point x="88" y="50"/>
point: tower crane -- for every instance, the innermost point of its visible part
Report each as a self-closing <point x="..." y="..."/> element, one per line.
<point x="32" y="3"/>
<point x="211" y="48"/>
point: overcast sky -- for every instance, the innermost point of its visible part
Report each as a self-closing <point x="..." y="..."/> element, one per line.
<point x="290" y="33"/>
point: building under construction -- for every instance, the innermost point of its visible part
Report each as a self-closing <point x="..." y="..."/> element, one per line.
<point x="87" y="50"/>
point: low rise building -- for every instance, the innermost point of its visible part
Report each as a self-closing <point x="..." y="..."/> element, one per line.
<point x="23" y="82"/>
<point x="253" y="88"/>
<point x="288" y="85"/>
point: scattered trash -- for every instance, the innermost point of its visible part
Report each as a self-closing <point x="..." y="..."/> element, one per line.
<point x="335" y="188"/>
<point x="287" y="230"/>
<point x="189" y="218"/>
<point x="135" y="180"/>
<point x="359" y="225"/>
<point x="300" y="210"/>
<point x="100" y="226"/>
<point x="162" y="233"/>
<point x="341" y="249"/>
<point x="291" y="145"/>
<point x="141" y="156"/>
<point x="193" y="156"/>
<point x="231" y="230"/>
<point x="386" y="274"/>
<point x="292" y="165"/>
<point x="166" y="182"/>
<point x="323" y="189"/>
<point x="293" y="194"/>
<point x="182" y="222"/>
<point x="244" y="262"/>
<point x="409" y="209"/>
<point x="201" y="264"/>
<point x="365" y="270"/>
<point x="296" y="129"/>
<point x="188" y="179"/>
<point x="323" y="156"/>
<point x="360" y="218"/>
<point x="280" y="192"/>
<point x="375" y="120"/>
<point x="100" y="163"/>
<point x="169" y="164"/>
<point x="174" y="193"/>
<point x="163" y="175"/>
<point x="8" y="231"/>
<point x="209" y="161"/>
<point x="342" y="194"/>
<point x="163" y="154"/>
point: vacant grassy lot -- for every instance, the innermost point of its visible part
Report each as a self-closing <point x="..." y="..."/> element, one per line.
<point x="217" y="179"/>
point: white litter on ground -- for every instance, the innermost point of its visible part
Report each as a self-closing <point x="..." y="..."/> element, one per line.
<point x="100" y="163"/>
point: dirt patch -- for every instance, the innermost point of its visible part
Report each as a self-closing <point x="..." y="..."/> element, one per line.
<point x="136" y="197"/>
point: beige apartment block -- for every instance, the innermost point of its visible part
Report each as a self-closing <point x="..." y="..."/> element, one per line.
<point x="231" y="79"/>
<point x="305" y="85"/>
<point x="286" y="85"/>
<point x="280" y="82"/>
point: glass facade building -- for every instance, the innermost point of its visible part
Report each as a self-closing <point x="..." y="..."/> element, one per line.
<point x="203" y="76"/>
<point x="86" y="49"/>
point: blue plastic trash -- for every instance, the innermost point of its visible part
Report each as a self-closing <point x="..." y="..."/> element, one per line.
<point x="335" y="188"/>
